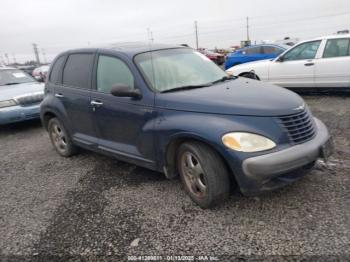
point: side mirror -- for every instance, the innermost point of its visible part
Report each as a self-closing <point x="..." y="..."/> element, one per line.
<point x="122" y="90"/>
<point x="280" y="59"/>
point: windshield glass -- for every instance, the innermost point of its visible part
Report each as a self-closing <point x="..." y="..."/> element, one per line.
<point x="173" y="68"/>
<point x="14" y="76"/>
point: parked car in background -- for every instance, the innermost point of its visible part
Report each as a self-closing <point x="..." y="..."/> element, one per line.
<point x="40" y="73"/>
<point x="254" y="53"/>
<point x="215" y="57"/>
<point x="26" y="68"/>
<point x="322" y="62"/>
<point x="170" y="109"/>
<point x="20" y="96"/>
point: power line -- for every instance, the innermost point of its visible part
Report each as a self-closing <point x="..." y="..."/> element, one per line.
<point x="196" y="33"/>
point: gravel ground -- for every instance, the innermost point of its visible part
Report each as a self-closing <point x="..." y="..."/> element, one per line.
<point x="91" y="207"/>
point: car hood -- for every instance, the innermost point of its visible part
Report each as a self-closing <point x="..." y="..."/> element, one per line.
<point x="11" y="91"/>
<point x="241" y="96"/>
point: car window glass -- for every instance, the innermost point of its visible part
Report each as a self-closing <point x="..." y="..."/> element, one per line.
<point x="112" y="71"/>
<point x="55" y="71"/>
<point x="271" y="50"/>
<point x="253" y="50"/>
<point x="303" y="51"/>
<point x="336" y="47"/>
<point x="77" y="71"/>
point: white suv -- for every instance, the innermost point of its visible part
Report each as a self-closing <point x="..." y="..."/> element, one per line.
<point x="322" y="62"/>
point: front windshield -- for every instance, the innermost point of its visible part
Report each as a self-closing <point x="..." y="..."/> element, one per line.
<point x="14" y="76"/>
<point x="179" y="67"/>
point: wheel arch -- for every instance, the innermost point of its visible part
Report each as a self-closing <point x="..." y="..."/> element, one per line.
<point x="170" y="168"/>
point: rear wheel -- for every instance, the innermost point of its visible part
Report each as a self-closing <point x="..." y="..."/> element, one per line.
<point x="60" y="138"/>
<point x="203" y="174"/>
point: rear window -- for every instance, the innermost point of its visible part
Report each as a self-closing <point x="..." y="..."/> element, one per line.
<point x="55" y="71"/>
<point x="77" y="71"/>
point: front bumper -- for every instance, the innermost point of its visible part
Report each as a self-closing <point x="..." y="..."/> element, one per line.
<point x="19" y="113"/>
<point x="274" y="170"/>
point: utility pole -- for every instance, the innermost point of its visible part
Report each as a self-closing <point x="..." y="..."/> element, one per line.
<point x="44" y="55"/>
<point x="36" y="52"/>
<point x="7" y="58"/>
<point x="14" y="58"/>
<point x="196" y="32"/>
<point x="247" y="28"/>
<point x="150" y="35"/>
<point x="2" y="60"/>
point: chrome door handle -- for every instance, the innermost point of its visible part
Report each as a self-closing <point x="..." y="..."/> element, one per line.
<point x="59" y="95"/>
<point x="96" y="103"/>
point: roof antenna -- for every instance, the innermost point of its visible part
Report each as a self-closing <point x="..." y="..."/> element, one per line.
<point x="150" y="42"/>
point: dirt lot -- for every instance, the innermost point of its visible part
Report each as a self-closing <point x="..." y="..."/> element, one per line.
<point x="92" y="207"/>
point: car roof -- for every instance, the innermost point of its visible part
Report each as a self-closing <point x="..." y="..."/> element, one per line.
<point x="130" y="48"/>
<point x="337" y="36"/>
<point x="267" y="44"/>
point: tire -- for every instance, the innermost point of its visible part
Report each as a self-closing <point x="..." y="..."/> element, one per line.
<point x="250" y="75"/>
<point x="203" y="173"/>
<point x="60" y="138"/>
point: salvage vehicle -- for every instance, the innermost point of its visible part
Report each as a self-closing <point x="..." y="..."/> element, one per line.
<point x="215" y="57"/>
<point x="254" y="53"/>
<point x="40" y="73"/>
<point x="172" y="110"/>
<point x="20" y="96"/>
<point x="322" y="62"/>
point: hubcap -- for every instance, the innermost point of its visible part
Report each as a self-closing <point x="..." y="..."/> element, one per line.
<point x="58" y="138"/>
<point x="193" y="174"/>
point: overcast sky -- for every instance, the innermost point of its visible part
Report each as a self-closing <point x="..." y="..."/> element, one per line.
<point x="57" y="25"/>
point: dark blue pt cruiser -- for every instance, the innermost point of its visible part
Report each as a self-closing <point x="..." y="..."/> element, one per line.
<point x="171" y="109"/>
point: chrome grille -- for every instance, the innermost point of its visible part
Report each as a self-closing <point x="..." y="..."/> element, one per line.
<point x="300" y="126"/>
<point x="30" y="99"/>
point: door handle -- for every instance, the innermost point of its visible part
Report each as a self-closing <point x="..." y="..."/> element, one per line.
<point x="59" y="95"/>
<point x="309" y="64"/>
<point x="96" y="103"/>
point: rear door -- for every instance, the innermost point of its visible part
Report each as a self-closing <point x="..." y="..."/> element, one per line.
<point x="125" y="126"/>
<point x="333" y="67"/>
<point x="297" y="67"/>
<point x="74" y="93"/>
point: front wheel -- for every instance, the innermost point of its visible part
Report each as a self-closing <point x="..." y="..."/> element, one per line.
<point x="203" y="174"/>
<point x="250" y="75"/>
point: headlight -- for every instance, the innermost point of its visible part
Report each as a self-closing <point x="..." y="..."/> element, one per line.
<point x="7" y="103"/>
<point x="247" y="142"/>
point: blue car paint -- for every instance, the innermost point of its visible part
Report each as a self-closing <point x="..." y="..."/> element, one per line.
<point x="142" y="131"/>
<point x="239" y="57"/>
<point x="19" y="113"/>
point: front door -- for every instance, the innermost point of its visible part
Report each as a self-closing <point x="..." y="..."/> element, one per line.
<point x="297" y="66"/>
<point x="333" y="68"/>
<point x="125" y="126"/>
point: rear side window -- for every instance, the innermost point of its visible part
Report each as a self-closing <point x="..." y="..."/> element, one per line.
<point x="337" y="47"/>
<point x="77" y="72"/>
<point x="271" y="50"/>
<point x="252" y="50"/>
<point x="112" y="71"/>
<point x="56" y="69"/>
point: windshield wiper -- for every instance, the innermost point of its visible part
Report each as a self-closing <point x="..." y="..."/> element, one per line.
<point x="180" y="88"/>
<point x="14" y="83"/>
<point x="224" y="78"/>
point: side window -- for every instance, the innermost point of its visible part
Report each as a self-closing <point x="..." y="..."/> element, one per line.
<point x="303" y="51"/>
<point x="252" y="51"/>
<point x="56" y="69"/>
<point x="271" y="50"/>
<point x="77" y="71"/>
<point x="336" y="47"/>
<point x="112" y="71"/>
